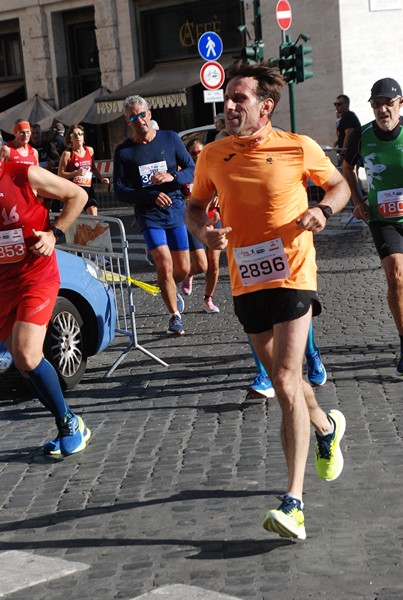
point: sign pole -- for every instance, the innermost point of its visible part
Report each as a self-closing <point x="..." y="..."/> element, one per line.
<point x="284" y="20"/>
<point x="212" y="74"/>
<point x="292" y="107"/>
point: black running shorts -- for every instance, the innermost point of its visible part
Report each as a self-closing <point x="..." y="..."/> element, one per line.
<point x="259" y="311"/>
<point x="388" y="237"/>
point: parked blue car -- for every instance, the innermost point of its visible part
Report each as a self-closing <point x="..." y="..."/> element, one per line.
<point x="83" y="321"/>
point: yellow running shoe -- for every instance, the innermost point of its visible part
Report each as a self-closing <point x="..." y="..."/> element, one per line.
<point x="329" y="459"/>
<point x="287" y="520"/>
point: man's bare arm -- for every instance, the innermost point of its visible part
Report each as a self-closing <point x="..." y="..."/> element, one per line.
<point x="360" y="208"/>
<point x="336" y="196"/>
<point x="73" y="197"/>
<point x="202" y="227"/>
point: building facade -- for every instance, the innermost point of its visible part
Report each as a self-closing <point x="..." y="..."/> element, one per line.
<point x="65" y="49"/>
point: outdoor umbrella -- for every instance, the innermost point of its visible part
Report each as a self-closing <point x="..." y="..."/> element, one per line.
<point x="33" y="110"/>
<point x="83" y="110"/>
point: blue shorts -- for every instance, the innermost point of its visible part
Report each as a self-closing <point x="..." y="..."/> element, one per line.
<point x="175" y="239"/>
<point x="194" y="243"/>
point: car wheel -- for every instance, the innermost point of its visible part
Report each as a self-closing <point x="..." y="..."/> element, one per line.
<point x="65" y="344"/>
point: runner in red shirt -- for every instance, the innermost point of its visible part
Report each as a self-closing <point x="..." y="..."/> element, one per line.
<point x="19" y="150"/>
<point x="77" y="164"/>
<point x="29" y="283"/>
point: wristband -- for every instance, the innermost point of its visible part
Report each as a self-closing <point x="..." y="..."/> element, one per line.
<point x="58" y="233"/>
<point x="326" y="210"/>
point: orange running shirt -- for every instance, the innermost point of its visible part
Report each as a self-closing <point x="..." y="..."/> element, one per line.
<point x="261" y="184"/>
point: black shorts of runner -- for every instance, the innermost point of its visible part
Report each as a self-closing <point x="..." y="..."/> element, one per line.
<point x="388" y="237"/>
<point x="259" y="311"/>
<point x="91" y="198"/>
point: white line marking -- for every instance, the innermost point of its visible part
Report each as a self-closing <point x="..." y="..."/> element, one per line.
<point x="20" y="570"/>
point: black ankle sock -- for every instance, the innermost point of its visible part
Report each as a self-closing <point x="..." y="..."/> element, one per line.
<point x="401" y="344"/>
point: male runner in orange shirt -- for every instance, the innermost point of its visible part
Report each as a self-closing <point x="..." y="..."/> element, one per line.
<point x="260" y="177"/>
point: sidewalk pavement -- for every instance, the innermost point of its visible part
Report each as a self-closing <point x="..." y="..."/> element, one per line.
<point x="169" y="497"/>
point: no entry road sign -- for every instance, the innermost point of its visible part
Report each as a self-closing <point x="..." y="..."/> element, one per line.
<point x="283" y="14"/>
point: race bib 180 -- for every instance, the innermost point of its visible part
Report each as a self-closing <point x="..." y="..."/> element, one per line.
<point x="390" y="203"/>
<point x="12" y="246"/>
<point x="147" y="171"/>
<point x="262" y="262"/>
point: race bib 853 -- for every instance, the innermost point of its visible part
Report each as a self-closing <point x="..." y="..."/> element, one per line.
<point x="12" y="246"/>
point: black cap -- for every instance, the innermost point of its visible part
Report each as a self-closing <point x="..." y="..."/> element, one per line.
<point x="386" y="88"/>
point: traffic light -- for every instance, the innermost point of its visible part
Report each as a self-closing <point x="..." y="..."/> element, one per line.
<point x="287" y="62"/>
<point x="259" y="51"/>
<point x="253" y="54"/>
<point x="301" y="62"/>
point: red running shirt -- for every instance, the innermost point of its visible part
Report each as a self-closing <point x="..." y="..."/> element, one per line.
<point x="16" y="157"/>
<point x="21" y="212"/>
<point x="76" y="162"/>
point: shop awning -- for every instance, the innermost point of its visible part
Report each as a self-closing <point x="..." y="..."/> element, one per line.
<point x="163" y="87"/>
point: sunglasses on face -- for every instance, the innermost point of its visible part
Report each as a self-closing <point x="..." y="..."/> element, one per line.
<point x="134" y="118"/>
<point x="338" y="103"/>
<point x="378" y="103"/>
<point x="78" y="134"/>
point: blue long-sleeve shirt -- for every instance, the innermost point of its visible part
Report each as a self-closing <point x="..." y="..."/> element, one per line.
<point x="133" y="166"/>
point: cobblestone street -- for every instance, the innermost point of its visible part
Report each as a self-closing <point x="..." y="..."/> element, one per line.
<point x="181" y="468"/>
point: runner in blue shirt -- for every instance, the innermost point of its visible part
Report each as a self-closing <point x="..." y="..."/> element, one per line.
<point x="149" y="170"/>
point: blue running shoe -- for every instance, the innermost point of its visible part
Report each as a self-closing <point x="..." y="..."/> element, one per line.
<point x="261" y="387"/>
<point x="175" y="326"/>
<point x="287" y="520"/>
<point x="52" y="448"/>
<point x="149" y="258"/>
<point x="399" y="368"/>
<point x="71" y="437"/>
<point x="180" y="303"/>
<point x="6" y="360"/>
<point x="316" y="371"/>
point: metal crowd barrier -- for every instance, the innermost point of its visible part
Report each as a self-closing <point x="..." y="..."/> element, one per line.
<point x="103" y="241"/>
<point x="104" y="193"/>
<point x="105" y="197"/>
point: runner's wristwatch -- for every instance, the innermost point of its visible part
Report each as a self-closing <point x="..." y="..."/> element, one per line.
<point x="58" y="233"/>
<point x="327" y="211"/>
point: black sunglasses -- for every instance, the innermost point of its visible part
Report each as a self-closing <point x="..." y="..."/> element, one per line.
<point x="134" y="118"/>
<point x="376" y="103"/>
